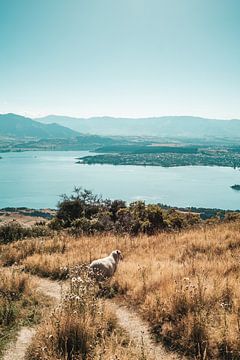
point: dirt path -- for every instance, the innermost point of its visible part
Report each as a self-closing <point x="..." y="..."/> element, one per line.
<point x="53" y="289"/>
<point x="137" y="329"/>
<point x="140" y="333"/>
<point x="17" y="349"/>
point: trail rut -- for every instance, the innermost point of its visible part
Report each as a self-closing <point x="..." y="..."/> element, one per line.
<point x="136" y="328"/>
<point x="17" y="349"/>
<point x="139" y="332"/>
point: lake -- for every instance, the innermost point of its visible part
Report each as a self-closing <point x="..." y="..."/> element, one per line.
<point x="36" y="179"/>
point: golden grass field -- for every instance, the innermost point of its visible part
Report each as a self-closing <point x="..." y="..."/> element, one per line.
<point x="186" y="284"/>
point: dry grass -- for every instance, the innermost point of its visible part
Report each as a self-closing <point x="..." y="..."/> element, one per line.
<point x="54" y="256"/>
<point x="185" y="285"/>
<point x="81" y="328"/>
<point x="19" y="304"/>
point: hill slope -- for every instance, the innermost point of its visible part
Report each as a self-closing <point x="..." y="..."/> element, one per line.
<point x="167" y="126"/>
<point x="17" y="126"/>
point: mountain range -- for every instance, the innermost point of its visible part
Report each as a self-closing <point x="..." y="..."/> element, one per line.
<point x="167" y="126"/>
<point x="16" y="126"/>
<point x="64" y="127"/>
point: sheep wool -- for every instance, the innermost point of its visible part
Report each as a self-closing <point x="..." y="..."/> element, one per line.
<point x="105" y="268"/>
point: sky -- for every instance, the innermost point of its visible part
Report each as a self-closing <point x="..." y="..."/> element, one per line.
<point x="131" y="58"/>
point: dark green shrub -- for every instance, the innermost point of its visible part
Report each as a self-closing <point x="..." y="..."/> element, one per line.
<point x="125" y="222"/>
<point x="82" y="203"/>
<point x="101" y="223"/>
<point x="178" y="220"/>
<point x="140" y="218"/>
<point x="14" y="231"/>
<point x="38" y="231"/>
<point x="81" y="226"/>
<point x="155" y="219"/>
<point x="86" y="213"/>
<point x="56" y="224"/>
<point x="114" y="206"/>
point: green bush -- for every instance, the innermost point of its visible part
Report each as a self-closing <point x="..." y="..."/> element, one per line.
<point x="140" y="218"/>
<point x="81" y="226"/>
<point x="100" y="223"/>
<point x="177" y="220"/>
<point x="81" y="204"/>
<point x="14" y="231"/>
<point x="85" y="213"/>
<point x="56" y="224"/>
<point x="125" y="222"/>
<point x="11" y="232"/>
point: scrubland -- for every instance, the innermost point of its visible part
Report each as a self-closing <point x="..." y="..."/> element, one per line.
<point x="185" y="284"/>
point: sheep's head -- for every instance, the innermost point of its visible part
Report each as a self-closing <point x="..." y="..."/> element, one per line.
<point x="117" y="255"/>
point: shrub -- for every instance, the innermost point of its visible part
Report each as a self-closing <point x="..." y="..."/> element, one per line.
<point x="86" y="213"/>
<point x="125" y="222"/>
<point x="114" y="206"/>
<point x="82" y="203"/>
<point x="178" y="220"/>
<point x="13" y="231"/>
<point x="56" y="224"/>
<point x="140" y="218"/>
<point x="232" y="216"/>
<point x="155" y="219"/>
<point x="81" y="226"/>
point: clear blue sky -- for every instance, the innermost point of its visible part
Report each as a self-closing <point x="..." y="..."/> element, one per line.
<point x="120" y="57"/>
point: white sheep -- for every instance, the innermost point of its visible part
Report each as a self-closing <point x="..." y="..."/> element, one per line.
<point x="105" y="268"/>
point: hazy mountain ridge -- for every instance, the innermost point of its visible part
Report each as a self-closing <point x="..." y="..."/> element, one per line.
<point x="16" y="126"/>
<point x="18" y="133"/>
<point x="56" y="127"/>
<point x="166" y="126"/>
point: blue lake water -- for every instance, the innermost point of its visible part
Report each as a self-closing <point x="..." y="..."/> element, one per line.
<point x="36" y="179"/>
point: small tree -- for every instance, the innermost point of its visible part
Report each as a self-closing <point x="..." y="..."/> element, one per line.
<point x="82" y="203"/>
<point x="114" y="206"/>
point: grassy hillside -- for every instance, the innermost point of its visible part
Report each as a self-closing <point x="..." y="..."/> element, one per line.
<point x="185" y="284"/>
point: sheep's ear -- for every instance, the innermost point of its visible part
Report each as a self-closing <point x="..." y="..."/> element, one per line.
<point x="120" y="255"/>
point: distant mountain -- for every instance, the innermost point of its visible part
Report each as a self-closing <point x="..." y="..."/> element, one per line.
<point x="16" y="126"/>
<point x="167" y="126"/>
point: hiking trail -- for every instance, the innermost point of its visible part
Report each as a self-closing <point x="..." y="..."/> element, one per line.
<point x="128" y="320"/>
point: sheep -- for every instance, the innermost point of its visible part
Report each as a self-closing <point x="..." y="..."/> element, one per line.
<point x="104" y="268"/>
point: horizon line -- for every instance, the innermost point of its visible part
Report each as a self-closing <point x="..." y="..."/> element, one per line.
<point x="39" y="116"/>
